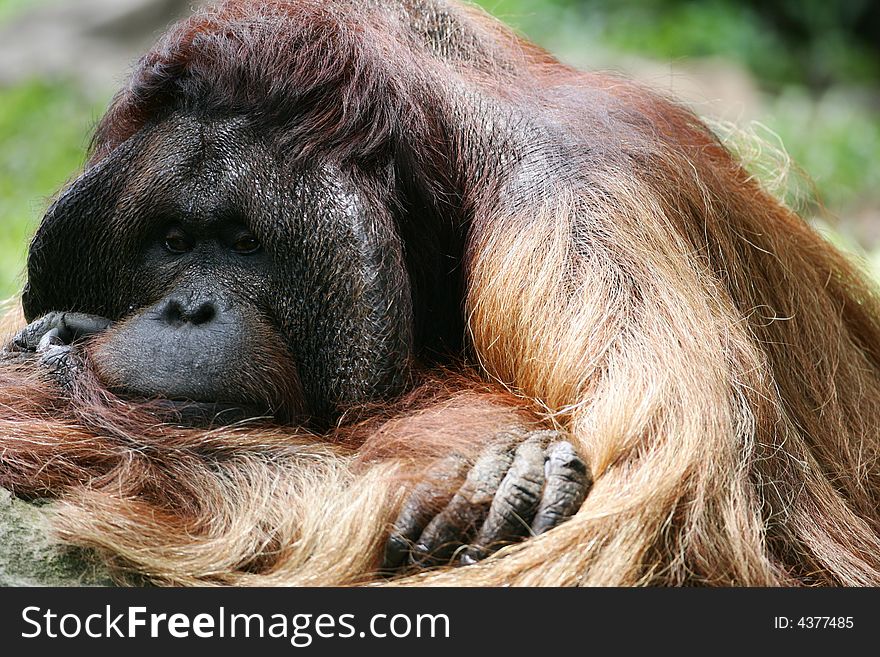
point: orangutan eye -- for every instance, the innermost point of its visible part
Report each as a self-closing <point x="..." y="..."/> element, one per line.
<point x="177" y="241"/>
<point x="245" y="244"/>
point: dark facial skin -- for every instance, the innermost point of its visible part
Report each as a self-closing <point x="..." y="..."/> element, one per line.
<point x="226" y="280"/>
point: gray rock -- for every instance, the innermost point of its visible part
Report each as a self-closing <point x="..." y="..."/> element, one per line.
<point x="31" y="556"/>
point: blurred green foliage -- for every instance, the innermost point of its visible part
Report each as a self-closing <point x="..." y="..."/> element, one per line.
<point x="834" y="141"/>
<point x="783" y="42"/>
<point x="816" y="62"/>
<point x="43" y="135"/>
<point x="11" y="7"/>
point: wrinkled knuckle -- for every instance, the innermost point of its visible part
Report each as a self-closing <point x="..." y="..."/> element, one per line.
<point x="524" y="492"/>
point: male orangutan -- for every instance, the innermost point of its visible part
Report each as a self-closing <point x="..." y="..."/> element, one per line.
<point x="354" y="291"/>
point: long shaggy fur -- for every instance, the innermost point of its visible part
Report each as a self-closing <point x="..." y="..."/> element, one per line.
<point x="715" y="361"/>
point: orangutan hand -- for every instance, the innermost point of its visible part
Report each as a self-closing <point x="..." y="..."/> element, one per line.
<point x="523" y="484"/>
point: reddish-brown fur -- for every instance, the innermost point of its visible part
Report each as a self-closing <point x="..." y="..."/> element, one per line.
<point x="715" y="361"/>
